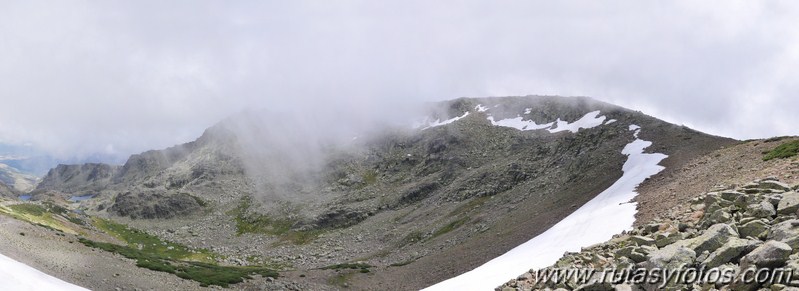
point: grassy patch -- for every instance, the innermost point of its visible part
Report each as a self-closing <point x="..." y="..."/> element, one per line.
<point x="31" y="209"/>
<point x="204" y="273"/>
<point x="248" y="222"/>
<point x="349" y="266"/>
<point x="370" y="177"/>
<point x="412" y="238"/>
<point x="403" y="263"/>
<point x="449" y="227"/>
<point x="36" y="214"/>
<point x="152" y="244"/>
<point x="785" y="150"/>
<point x="468" y="206"/>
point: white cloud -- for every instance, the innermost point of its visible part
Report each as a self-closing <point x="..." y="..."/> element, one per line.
<point x="84" y="77"/>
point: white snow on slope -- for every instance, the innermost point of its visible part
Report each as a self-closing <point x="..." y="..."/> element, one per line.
<point x="610" y="121"/>
<point x="592" y="119"/>
<point x="430" y="124"/>
<point x="519" y="124"/>
<point x="18" y="276"/>
<point x="481" y="108"/>
<point x="607" y="214"/>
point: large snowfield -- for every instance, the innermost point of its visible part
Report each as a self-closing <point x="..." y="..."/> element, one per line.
<point x="609" y="213"/>
<point x="18" y="276"/>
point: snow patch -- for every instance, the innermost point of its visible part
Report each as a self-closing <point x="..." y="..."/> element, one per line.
<point x="528" y="110"/>
<point x="18" y="276"/>
<point x="610" y="121"/>
<point x="518" y="123"/>
<point x="590" y="120"/>
<point x="481" y="108"/>
<point x="438" y="122"/>
<point x="609" y="213"/>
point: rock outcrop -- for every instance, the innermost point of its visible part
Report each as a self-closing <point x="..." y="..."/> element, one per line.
<point x="751" y="227"/>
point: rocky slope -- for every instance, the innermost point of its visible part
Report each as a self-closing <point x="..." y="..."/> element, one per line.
<point x="731" y="229"/>
<point x="417" y="205"/>
<point x="6" y="191"/>
<point x="17" y="180"/>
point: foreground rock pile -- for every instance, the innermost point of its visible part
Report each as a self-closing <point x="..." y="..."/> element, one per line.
<point x="731" y="229"/>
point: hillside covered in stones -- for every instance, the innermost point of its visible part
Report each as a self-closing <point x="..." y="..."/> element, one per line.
<point x="731" y="228"/>
<point x="412" y="206"/>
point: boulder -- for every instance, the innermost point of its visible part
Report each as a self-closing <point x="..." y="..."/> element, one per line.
<point x="756" y="229"/>
<point x="761" y="210"/>
<point x="776" y="185"/>
<point x="642" y="240"/>
<point x="774" y="199"/>
<point x="636" y="253"/>
<point x="786" y="232"/>
<point x="731" y="195"/>
<point x="734" y="249"/>
<point x="672" y="256"/>
<point x="663" y="239"/>
<point x="770" y="254"/>
<point x="718" y="216"/>
<point x="789" y="203"/>
<point x="713" y="238"/>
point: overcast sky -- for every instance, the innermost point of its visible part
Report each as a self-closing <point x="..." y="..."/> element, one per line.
<point x="126" y="76"/>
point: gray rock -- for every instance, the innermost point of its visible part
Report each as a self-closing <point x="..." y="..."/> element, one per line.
<point x="774" y="199"/>
<point x="642" y="240"/>
<point x="770" y="254"/>
<point x="663" y="239"/>
<point x="672" y="256"/>
<point x="776" y="185"/>
<point x="734" y="249"/>
<point x="750" y="185"/>
<point x="757" y="229"/>
<point x="789" y="203"/>
<point x="635" y="253"/>
<point x="731" y="195"/>
<point x="761" y="210"/>
<point x="713" y="238"/>
<point x="787" y="232"/>
<point x="718" y="216"/>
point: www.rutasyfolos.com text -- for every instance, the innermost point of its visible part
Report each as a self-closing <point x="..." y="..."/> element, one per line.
<point x="663" y="276"/>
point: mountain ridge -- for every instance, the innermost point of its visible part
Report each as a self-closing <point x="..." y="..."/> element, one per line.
<point x="415" y="198"/>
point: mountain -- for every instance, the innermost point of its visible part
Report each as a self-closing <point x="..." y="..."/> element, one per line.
<point x="473" y="178"/>
<point x="16" y="179"/>
<point x="6" y="191"/>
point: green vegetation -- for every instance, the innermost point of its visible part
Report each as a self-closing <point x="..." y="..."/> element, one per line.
<point x="152" y="244"/>
<point x="449" y="227"/>
<point x="39" y="214"/>
<point x="411" y="238"/>
<point x="27" y="208"/>
<point x="248" y="222"/>
<point x="370" y="177"/>
<point x="204" y="273"/>
<point x="403" y="263"/>
<point x="785" y="150"/>
<point x="468" y="206"/>
<point x="364" y="268"/>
